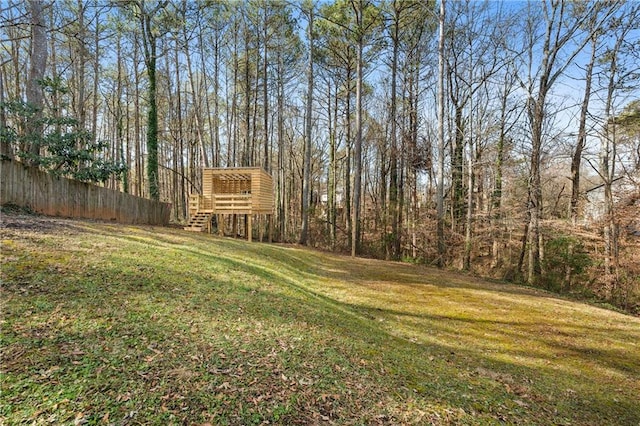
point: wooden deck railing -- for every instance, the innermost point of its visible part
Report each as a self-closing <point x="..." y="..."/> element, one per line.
<point x="220" y="203"/>
<point x="231" y="202"/>
<point x="194" y="204"/>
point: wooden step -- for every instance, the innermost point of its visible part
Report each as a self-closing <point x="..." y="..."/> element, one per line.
<point x="198" y="222"/>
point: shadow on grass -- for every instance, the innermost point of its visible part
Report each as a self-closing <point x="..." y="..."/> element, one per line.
<point x="209" y="280"/>
<point x="293" y="269"/>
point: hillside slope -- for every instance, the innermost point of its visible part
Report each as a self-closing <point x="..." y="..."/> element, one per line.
<point x="106" y="323"/>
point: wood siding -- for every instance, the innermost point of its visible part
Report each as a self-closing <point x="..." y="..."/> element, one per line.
<point x="54" y="196"/>
<point x="239" y="190"/>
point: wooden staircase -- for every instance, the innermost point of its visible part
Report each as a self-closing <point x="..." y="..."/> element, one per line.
<point x="199" y="222"/>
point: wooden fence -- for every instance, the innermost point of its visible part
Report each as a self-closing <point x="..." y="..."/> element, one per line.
<point x="44" y="193"/>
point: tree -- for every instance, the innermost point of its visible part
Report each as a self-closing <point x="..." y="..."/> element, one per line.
<point x="195" y="94"/>
<point x="366" y="18"/>
<point x="288" y="52"/>
<point x="405" y="26"/>
<point x="617" y="77"/>
<point x="475" y="41"/>
<point x="441" y="141"/>
<point x="35" y="99"/>
<point x="508" y="119"/>
<point x="64" y="147"/>
<point x="576" y="160"/>
<point x="149" y="18"/>
<point x="337" y="55"/>
<point x="560" y="29"/>
<point x="306" y="183"/>
<point x="5" y="148"/>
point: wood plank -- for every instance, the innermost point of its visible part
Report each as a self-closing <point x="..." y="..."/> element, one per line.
<point x="55" y="196"/>
<point x="237" y="190"/>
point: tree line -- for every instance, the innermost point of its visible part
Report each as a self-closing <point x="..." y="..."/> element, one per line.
<point x="464" y="134"/>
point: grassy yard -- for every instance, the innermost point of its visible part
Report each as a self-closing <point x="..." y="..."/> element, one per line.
<point x="114" y="324"/>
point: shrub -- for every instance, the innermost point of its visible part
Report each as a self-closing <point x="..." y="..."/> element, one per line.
<point x="64" y="147"/>
<point x="565" y="264"/>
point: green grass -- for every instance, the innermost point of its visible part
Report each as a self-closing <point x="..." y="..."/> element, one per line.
<point x="112" y="324"/>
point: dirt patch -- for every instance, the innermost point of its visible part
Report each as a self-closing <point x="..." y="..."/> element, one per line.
<point x="18" y="219"/>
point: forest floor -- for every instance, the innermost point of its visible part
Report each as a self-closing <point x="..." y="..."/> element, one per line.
<point x="114" y="324"/>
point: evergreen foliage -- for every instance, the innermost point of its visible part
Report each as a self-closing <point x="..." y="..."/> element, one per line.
<point x="566" y="263"/>
<point x="64" y="147"/>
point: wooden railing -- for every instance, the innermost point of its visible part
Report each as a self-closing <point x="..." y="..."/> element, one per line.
<point x="194" y="204"/>
<point x="220" y="203"/>
<point x="231" y="202"/>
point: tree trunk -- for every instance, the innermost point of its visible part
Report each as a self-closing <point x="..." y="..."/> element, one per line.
<point x="136" y="103"/>
<point x="196" y="97"/>
<point x="214" y="126"/>
<point x="180" y="128"/>
<point x="152" y="128"/>
<point x="457" y="170"/>
<point x="535" y="197"/>
<point x="331" y="178"/>
<point x="393" y="241"/>
<point x="357" y="154"/>
<point x="246" y="154"/>
<point x="266" y="162"/>
<point x="440" y="170"/>
<point x="608" y="171"/>
<point x="35" y="95"/>
<point x="149" y="38"/>
<point x="78" y="48"/>
<point x="347" y="167"/>
<point x="582" y="136"/>
<point x="6" y="151"/>
<point x="560" y="30"/>
<point x="96" y="72"/>
<point x="306" y="183"/>
<point x="280" y="190"/>
<point x="468" y="232"/>
<point x="496" y="196"/>
<point x="255" y="151"/>
<point x="119" y="117"/>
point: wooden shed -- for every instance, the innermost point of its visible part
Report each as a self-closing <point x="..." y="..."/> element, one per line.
<point x="230" y="193"/>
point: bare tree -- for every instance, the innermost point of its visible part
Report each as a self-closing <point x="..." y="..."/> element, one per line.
<point x="441" y="142"/>
<point x="617" y="77"/>
<point x="561" y="29"/>
<point x="306" y="182"/>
